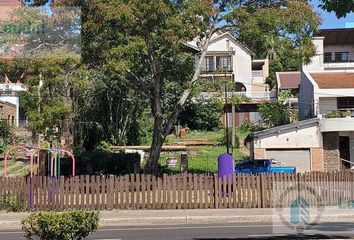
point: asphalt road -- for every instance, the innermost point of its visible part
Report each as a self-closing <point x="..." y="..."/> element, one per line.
<point x="209" y="232"/>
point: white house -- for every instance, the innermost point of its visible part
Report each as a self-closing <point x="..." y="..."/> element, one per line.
<point x="324" y="139"/>
<point x="228" y="58"/>
<point x="9" y="94"/>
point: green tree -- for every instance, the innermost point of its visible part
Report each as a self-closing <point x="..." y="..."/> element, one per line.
<point x="141" y="43"/>
<point x="54" y="82"/>
<point x="274" y="113"/>
<point x="340" y="7"/>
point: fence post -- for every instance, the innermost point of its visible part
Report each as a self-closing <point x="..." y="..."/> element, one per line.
<point x="184" y="163"/>
<point x="216" y="190"/>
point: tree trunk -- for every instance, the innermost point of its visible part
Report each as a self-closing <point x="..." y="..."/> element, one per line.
<point x="156" y="146"/>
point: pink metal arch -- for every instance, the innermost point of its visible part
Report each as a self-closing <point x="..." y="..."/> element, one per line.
<point x="14" y="148"/>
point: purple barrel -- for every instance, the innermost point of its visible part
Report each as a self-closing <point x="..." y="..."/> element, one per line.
<point x="225" y="165"/>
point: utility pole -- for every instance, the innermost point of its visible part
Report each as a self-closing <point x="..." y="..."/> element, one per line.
<point x="227" y="120"/>
<point x="40" y="84"/>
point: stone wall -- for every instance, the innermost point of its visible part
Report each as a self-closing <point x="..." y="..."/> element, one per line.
<point x="331" y="151"/>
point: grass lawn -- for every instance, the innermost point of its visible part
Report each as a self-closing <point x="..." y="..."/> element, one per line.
<point x="211" y="136"/>
<point x="201" y="159"/>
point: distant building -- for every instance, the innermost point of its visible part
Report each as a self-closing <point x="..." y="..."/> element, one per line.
<point x="6" y="6"/>
<point x="232" y="61"/>
<point x="8" y="112"/>
<point x="289" y="81"/>
<point x="9" y="93"/>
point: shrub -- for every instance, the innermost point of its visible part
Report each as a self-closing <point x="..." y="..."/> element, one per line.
<point x="237" y="139"/>
<point x="203" y="115"/>
<point x="104" y="146"/>
<point x="67" y="225"/>
<point x="12" y="203"/>
<point x="248" y="127"/>
<point x="98" y="162"/>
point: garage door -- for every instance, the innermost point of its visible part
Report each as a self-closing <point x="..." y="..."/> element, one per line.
<point x="300" y="158"/>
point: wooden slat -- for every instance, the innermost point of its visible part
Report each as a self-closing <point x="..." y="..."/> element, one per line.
<point x="200" y="191"/>
<point x="184" y="189"/>
<point x="159" y="193"/>
<point x="216" y="191"/>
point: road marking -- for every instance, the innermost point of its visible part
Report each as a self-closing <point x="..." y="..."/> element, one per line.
<point x="3" y="233"/>
<point x="262" y="235"/>
<point x="186" y="227"/>
<point x="108" y="239"/>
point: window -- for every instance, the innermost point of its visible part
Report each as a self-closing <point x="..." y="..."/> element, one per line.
<point x="345" y="102"/>
<point x="208" y="64"/>
<point x="327" y="57"/>
<point x="13" y="120"/>
<point x="342" y="56"/>
<point x="224" y="63"/>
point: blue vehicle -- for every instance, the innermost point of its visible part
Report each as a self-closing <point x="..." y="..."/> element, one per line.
<point x="263" y="166"/>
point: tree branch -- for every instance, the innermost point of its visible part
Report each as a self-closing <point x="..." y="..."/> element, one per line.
<point x="187" y="92"/>
<point x="138" y="90"/>
<point x="139" y="86"/>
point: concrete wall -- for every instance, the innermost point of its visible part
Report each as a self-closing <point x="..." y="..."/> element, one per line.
<point x="306" y="98"/>
<point x="302" y="138"/>
<point x="331" y="151"/>
<point x="327" y="104"/>
<point x="339" y="48"/>
<point x="317" y="60"/>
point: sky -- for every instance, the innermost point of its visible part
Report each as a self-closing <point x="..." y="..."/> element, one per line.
<point x="329" y="19"/>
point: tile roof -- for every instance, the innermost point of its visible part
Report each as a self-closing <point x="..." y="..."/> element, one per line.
<point x="288" y="80"/>
<point x="334" y="80"/>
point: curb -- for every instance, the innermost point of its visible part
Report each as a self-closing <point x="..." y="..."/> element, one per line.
<point x="187" y="219"/>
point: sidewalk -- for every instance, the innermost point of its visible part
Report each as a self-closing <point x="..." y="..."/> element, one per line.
<point x="191" y="216"/>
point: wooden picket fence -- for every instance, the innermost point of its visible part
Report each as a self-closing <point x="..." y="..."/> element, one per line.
<point x="182" y="191"/>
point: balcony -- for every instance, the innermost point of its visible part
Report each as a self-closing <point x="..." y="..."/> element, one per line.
<point x="257" y="73"/>
<point x="341" y="62"/>
<point x="217" y="65"/>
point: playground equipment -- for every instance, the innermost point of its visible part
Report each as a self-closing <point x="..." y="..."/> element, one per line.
<point x="53" y="161"/>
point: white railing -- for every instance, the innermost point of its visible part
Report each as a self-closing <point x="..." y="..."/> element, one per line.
<point x="257" y="73"/>
<point x="259" y="95"/>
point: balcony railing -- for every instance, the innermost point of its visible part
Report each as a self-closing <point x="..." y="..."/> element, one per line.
<point x="257" y="73"/>
<point x="257" y="95"/>
<point x="339" y="62"/>
<point x="218" y="70"/>
<point x="340" y="113"/>
<point x="342" y="59"/>
<point x="251" y="95"/>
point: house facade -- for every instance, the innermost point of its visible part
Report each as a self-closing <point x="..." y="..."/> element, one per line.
<point x="231" y="61"/>
<point x="324" y="138"/>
